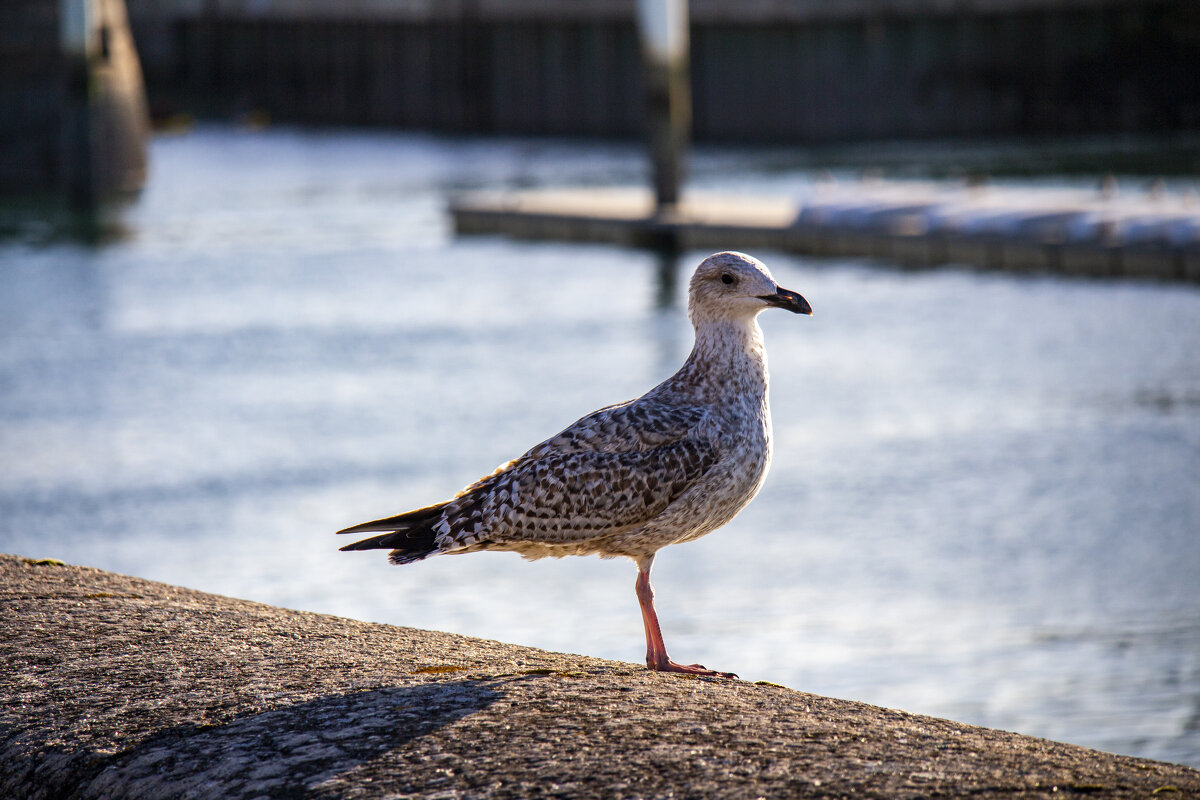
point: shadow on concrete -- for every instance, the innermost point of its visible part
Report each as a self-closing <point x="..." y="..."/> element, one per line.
<point x="293" y="751"/>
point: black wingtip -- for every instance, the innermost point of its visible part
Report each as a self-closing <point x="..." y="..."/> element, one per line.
<point x="406" y="546"/>
<point x="369" y="527"/>
<point x="420" y="517"/>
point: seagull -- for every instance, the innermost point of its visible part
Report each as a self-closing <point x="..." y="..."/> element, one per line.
<point x="669" y="467"/>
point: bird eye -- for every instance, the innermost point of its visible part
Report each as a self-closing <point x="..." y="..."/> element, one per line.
<point x="727" y="279"/>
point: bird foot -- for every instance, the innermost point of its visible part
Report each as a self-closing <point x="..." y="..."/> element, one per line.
<point x="689" y="669"/>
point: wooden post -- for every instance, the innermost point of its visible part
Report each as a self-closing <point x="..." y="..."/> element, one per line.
<point x="104" y="123"/>
<point x="79" y="40"/>
<point x="663" y="31"/>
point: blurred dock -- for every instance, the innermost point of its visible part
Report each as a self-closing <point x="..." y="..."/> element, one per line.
<point x="760" y="70"/>
<point x="1072" y="232"/>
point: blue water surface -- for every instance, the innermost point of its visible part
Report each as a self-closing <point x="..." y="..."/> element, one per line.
<point x="985" y="502"/>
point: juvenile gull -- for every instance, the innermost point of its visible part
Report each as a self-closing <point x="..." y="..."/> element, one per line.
<point x="676" y="463"/>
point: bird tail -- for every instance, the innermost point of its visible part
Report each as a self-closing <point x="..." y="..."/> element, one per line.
<point x="410" y="536"/>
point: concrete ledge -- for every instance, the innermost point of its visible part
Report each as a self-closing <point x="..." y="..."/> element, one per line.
<point x="120" y="687"/>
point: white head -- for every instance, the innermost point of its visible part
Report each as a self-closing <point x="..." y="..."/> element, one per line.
<point x="736" y="287"/>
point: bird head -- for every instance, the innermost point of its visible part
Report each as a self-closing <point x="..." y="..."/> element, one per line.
<point x="736" y="286"/>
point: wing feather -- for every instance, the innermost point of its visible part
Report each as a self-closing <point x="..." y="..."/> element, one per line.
<point x="568" y="497"/>
<point x="607" y="473"/>
<point x="633" y="426"/>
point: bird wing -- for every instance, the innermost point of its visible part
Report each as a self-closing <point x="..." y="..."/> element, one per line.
<point x="632" y="426"/>
<point x="640" y="424"/>
<point x="566" y="497"/>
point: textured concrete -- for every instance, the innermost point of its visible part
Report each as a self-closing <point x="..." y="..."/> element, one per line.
<point x="115" y="687"/>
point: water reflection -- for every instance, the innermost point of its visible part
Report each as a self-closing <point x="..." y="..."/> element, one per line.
<point x="39" y="223"/>
<point x="47" y="294"/>
<point x="668" y="260"/>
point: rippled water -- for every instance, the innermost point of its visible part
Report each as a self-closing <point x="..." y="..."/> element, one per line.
<point x="985" y="503"/>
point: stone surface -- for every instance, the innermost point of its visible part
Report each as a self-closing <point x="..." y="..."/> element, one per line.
<point x="115" y="687"/>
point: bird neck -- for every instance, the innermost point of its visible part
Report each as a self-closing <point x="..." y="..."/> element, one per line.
<point x="726" y="348"/>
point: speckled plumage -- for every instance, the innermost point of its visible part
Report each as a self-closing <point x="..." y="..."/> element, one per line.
<point x="671" y="466"/>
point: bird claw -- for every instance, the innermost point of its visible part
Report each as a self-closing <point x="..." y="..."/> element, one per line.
<point x="690" y="669"/>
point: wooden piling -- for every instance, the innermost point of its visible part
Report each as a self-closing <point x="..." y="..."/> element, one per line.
<point x="73" y="117"/>
<point x="663" y="32"/>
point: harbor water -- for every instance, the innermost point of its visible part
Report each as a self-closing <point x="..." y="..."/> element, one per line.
<point x="984" y="504"/>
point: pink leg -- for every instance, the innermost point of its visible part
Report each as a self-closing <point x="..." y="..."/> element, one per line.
<point x="656" y="650"/>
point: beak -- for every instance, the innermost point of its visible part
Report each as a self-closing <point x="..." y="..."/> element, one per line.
<point x="785" y="298"/>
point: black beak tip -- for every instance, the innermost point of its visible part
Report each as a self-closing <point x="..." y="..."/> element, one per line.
<point x="792" y="301"/>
